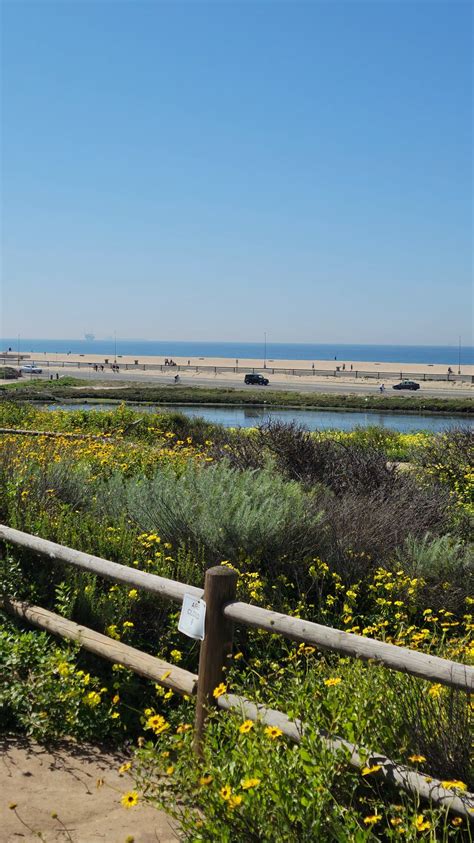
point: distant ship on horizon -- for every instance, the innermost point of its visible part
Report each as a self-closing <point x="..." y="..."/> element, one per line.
<point x="90" y="337"/>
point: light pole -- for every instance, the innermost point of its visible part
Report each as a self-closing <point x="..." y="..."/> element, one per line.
<point x="265" y="350"/>
<point x="459" y="356"/>
<point x="18" y="349"/>
<point x="115" y="346"/>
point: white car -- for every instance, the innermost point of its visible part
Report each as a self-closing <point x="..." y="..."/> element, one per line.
<point x="31" y="369"/>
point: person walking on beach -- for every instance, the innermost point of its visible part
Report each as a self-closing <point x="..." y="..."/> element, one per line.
<point x="382" y="388"/>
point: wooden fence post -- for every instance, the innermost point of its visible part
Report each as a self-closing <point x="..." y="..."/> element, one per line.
<point x="220" y="586"/>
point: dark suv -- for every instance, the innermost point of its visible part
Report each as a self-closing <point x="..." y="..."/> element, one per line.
<point x="258" y="379"/>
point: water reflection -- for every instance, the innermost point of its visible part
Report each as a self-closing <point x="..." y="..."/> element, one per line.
<point x="309" y="419"/>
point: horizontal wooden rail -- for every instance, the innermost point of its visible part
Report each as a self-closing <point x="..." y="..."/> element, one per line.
<point x="94" y="564"/>
<point x="159" y="671"/>
<point x="397" y="774"/>
<point x="433" y="668"/>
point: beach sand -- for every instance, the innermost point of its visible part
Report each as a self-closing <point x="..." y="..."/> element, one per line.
<point x="374" y="368"/>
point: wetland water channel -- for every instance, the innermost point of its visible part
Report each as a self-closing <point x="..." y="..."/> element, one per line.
<point x="241" y="416"/>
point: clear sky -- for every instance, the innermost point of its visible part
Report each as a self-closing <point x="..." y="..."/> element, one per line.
<point x="214" y="170"/>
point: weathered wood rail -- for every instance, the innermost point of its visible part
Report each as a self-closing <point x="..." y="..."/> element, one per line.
<point x="150" y="667"/>
<point x="402" y="659"/>
<point x="222" y="610"/>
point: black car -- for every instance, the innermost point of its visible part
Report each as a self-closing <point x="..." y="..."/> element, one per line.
<point x="406" y="385"/>
<point x="256" y="379"/>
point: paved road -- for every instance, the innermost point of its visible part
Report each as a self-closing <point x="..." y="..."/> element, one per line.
<point x="293" y="385"/>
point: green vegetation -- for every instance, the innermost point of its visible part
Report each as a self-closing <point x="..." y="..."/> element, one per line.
<point x="323" y="526"/>
<point x="71" y="389"/>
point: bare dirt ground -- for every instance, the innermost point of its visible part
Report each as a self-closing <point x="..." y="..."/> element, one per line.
<point x="64" y="779"/>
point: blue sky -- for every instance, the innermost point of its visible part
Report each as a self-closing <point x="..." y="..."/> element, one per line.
<point x="177" y="170"/>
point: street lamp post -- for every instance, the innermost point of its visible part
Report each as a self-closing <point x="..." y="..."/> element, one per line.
<point x="115" y="346"/>
<point x="265" y="351"/>
<point x="459" y="356"/>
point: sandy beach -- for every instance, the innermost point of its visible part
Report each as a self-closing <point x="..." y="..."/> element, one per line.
<point x="336" y="368"/>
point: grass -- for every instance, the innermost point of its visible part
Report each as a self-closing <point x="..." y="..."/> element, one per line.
<point x="71" y="389"/>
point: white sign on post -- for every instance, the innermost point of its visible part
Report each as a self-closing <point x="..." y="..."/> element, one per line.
<point x="192" y="618"/>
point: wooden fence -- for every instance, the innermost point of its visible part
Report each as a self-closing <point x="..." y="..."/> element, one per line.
<point x="222" y="611"/>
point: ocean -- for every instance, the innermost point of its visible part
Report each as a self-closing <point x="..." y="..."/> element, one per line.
<point x="424" y="354"/>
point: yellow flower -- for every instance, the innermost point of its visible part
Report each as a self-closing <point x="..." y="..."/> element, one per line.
<point x="454" y="783"/>
<point x="221" y="689"/>
<point x="157" y="723"/>
<point x="234" y="801"/>
<point x="130" y="799"/>
<point x="417" y="759"/>
<point x="374" y="818"/>
<point x="246" y="726"/>
<point x="366" y="771"/>
<point x="273" y="732"/>
<point x="92" y="699"/>
<point x="133" y="594"/>
<point x="395" y="821"/>
<point x="456" y="821"/>
<point x="421" y="824"/>
<point x="176" y="655"/>
<point x="125" y="767"/>
<point x="63" y="669"/>
<point x="205" y="780"/>
<point x="225" y="792"/>
<point x="435" y="690"/>
<point x="247" y="784"/>
<point x="334" y="681"/>
<point x="170" y="770"/>
<point x="183" y="727"/>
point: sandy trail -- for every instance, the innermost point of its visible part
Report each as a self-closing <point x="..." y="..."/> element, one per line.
<point x="63" y="779"/>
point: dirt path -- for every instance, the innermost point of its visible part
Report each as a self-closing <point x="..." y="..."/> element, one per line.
<point x="63" y="780"/>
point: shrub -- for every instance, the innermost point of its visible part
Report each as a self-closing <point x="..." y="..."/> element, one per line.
<point x="378" y="523"/>
<point x="221" y="510"/>
<point x="44" y="695"/>
<point x="309" y="458"/>
<point x="450" y="457"/>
